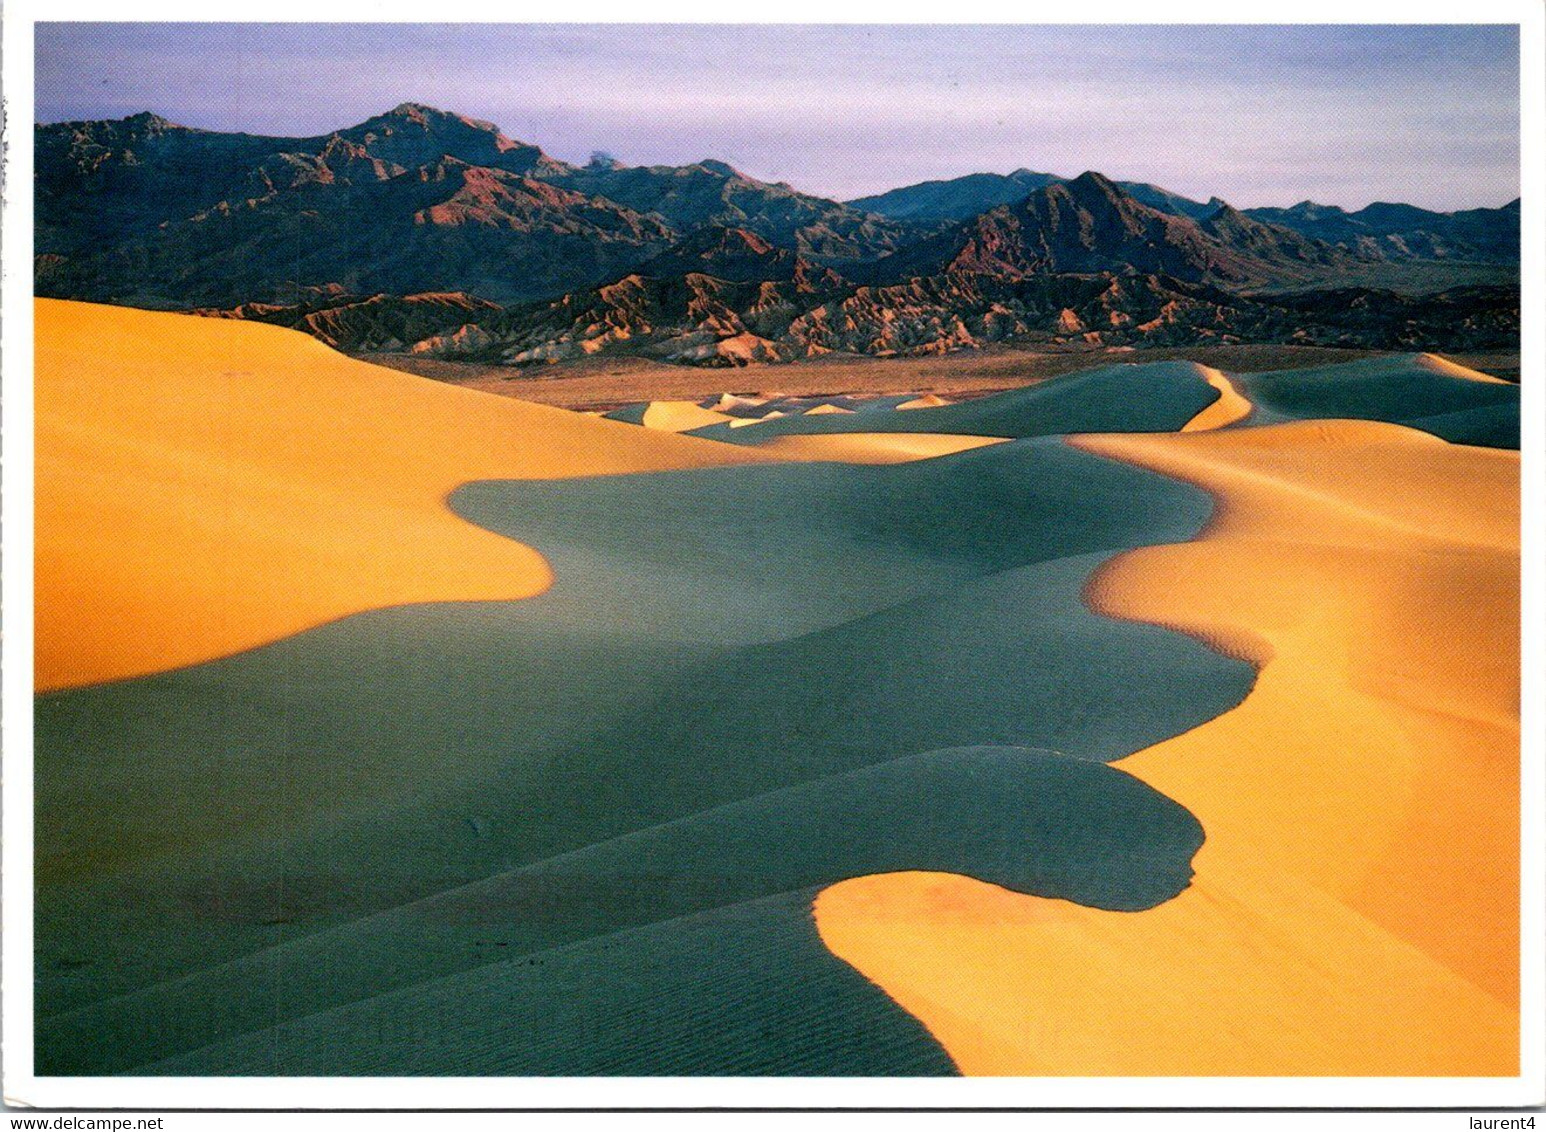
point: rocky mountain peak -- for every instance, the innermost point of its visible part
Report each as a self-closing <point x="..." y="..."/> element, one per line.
<point x="149" y="122"/>
<point x="414" y="111"/>
<point x="413" y="134"/>
<point x="1224" y="212"/>
<point x="1091" y="183"/>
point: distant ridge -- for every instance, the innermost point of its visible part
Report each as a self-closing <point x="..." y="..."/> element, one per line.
<point x="1399" y="232"/>
<point x="1091" y="224"/>
<point x="957" y="198"/>
<point x="144" y="211"/>
<point x="358" y="235"/>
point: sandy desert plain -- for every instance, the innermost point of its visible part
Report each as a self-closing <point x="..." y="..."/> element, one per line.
<point x="1147" y="718"/>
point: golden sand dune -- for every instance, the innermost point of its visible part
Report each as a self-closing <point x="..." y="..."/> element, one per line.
<point x="1355" y="907"/>
<point x="1229" y="408"/>
<point x="681" y="416"/>
<point x="925" y="401"/>
<point x="872" y="447"/>
<point x="826" y="409"/>
<point x="742" y="422"/>
<point x="728" y="402"/>
<point x="1455" y="369"/>
<point x="204" y="486"/>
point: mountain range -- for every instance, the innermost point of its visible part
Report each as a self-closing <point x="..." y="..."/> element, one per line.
<point x="424" y="230"/>
<point x="1378" y="231"/>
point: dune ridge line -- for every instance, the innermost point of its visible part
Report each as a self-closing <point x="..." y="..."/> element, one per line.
<point x="1388" y="925"/>
<point x="257" y="484"/>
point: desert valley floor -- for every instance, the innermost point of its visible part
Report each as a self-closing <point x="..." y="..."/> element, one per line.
<point x="1147" y="720"/>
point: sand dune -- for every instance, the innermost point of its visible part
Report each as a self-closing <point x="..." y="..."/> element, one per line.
<point x="1229" y="408"/>
<point x="1153" y="397"/>
<point x="731" y="403"/>
<point x="582" y="831"/>
<point x="1421" y="390"/>
<point x="825" y="409"/>
<point x="742" y="422"/>
<point x="253" y="484"/>
<point x="1062" y="812"/>
<point x="1355" y="907"/>
<point x="733" y="991"/>
<point x="858" y="448"/>
<point x="1454" y="369"/>
<point x="205" y="486"/>
<point x="872" y="447"/>
<point x="679" y="416"/>
<point x="710" y="635"/>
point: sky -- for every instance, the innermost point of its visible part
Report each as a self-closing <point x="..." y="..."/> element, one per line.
<point x="1258" y="115"/>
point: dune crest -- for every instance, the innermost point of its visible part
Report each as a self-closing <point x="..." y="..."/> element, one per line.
<point x="872" y="447"/>
<point x="205" y="486"/>
<point x="742" y="422"/>
<point x="1443" y="365"/>
<point x="1231" y="406"/>
<point x="679" y="416"/>
<point x="1323" y="934"/>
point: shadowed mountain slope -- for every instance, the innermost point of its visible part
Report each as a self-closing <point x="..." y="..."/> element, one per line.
<point x="712" y="193"/>
<point x="955" y="199"/>
<point x="147" y="212"/>
<point x="961" y="197"/>
<point x="445" y="225"/>
<point x="737" y="255"/>
<point x="1384" y="231"/>
<point x="309" y="232"/>
<point x="1402" y="232"/>
<point x="103" y="181"/>
<point x="698" y="319"/>
<point x="380" y="322"/>
<point x="1090" y="224"/>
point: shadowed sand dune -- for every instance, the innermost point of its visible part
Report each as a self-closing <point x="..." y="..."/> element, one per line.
<point x="431" y="828"/>
<point x="1228" y="409"/>
<point x="206" y="486"/>
<point x="855" y="447"/>
<point x="872" y="447"/>
<point x="676" y="416"/>
<point x="1443" y="365"/>
<point x="1418" y="390"/>
<point x="736" y="991"/>
<point x="710" y="636"/>
<point x="1041" y="822"/>
<point x="1355" y="908"/>
<point x="1157" y="397"/>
